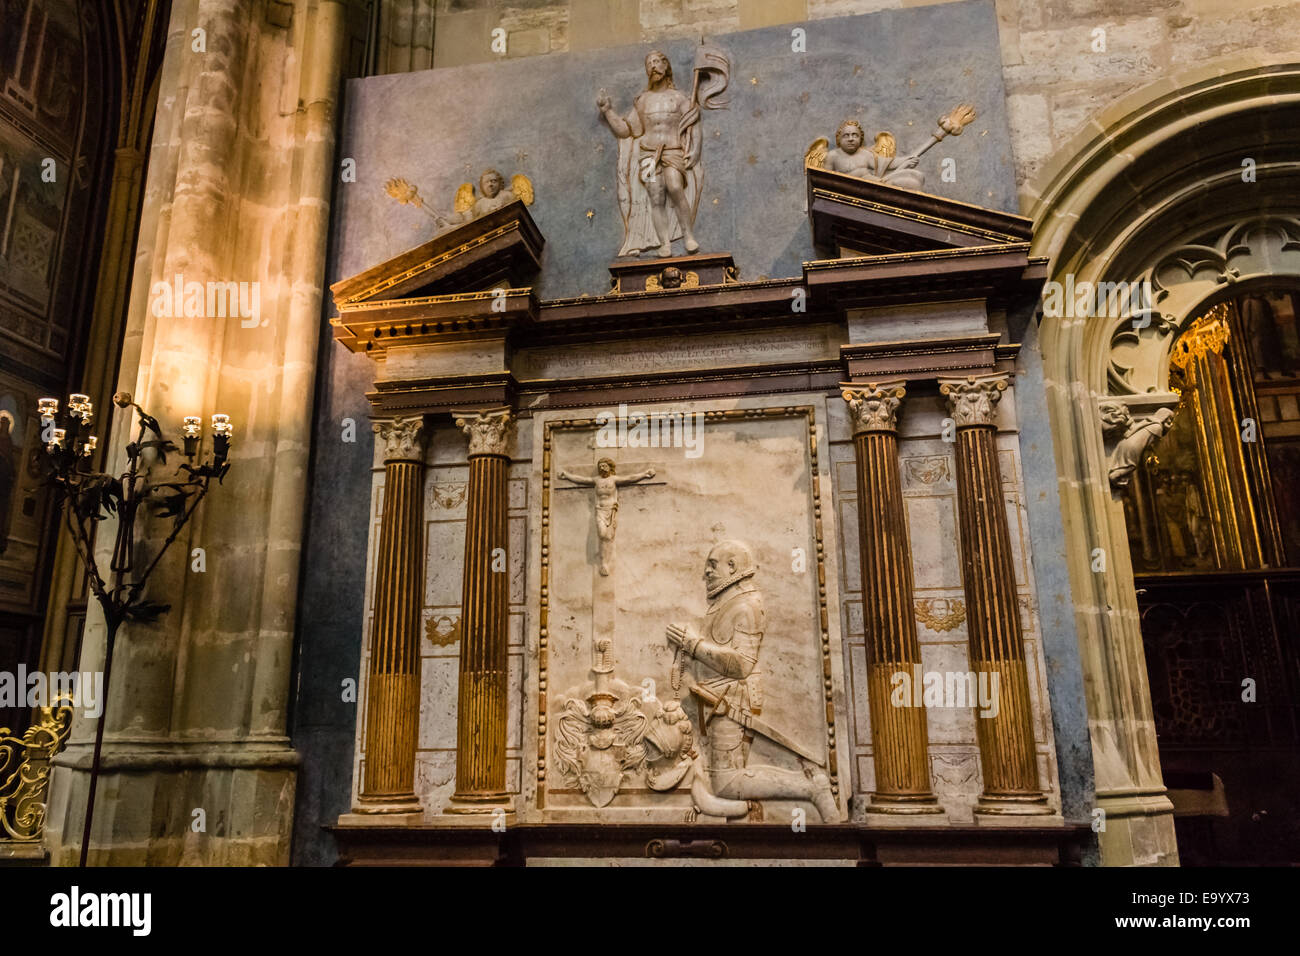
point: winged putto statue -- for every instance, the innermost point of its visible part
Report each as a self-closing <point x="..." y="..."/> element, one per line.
<point x="881" y="161"/>
<point x="468" y="204"/>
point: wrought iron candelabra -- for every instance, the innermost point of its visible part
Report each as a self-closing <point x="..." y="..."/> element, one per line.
<point x="86" y="497"/>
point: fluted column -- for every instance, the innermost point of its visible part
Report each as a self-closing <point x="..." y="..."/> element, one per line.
<point x="898" y="734"/>
<point x="1006" y="739"/>
<point x="482" y="707"/>
<point x="393" y="679"/>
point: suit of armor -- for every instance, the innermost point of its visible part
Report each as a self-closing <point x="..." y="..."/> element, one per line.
<point x="729" y="648"/>
<point x="727" y="687"/>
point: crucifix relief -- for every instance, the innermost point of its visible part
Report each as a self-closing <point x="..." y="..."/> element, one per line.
<point x="606" y="484"/>
<point x="601" y="723"/>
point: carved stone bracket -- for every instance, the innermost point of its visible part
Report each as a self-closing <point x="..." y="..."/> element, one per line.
<point x="873" y="407"/>
<point x="973" y="399"/>
<point x="403" y="438"/>
<point x="1129" y="426"/>
<point x="488" y="431"/>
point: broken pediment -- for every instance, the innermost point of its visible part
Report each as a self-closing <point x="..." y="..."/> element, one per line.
<point x="861" y="217"/>
<point x="502" y="248"/>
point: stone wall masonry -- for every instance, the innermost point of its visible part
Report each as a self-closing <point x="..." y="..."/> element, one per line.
<point x="1058" y="74"/>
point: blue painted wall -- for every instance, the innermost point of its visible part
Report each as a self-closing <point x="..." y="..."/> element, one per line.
<point x="538" y="116"/>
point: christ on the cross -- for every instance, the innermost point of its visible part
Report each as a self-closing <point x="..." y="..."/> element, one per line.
<point x="606" y="484"/>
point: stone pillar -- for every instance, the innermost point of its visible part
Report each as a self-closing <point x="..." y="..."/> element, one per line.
<point x="393" y="678"/>
<point x="481" y="704"/>
<point x="898" y="734"/>
<point x="405" y="35"/>
<point x="199" y="699"/>
<point x="1006" y="740"/>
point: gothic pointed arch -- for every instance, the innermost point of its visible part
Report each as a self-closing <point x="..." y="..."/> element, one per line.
<point x="1192" y="185"/>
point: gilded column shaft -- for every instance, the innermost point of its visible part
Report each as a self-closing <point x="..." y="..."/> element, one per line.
<point x="482" y="709"/>
<point x="899" y="738"/>
<point x="393" y="689"/>
<point x="1008" y="755"/>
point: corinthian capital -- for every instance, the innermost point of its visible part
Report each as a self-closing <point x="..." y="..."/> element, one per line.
<point x="402" y="437"/>
<point x="488" y="431"/>
<point x="971" y="400"/>
<point x="872" y="405"/>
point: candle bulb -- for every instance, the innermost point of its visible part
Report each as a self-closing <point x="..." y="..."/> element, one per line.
<point x="48" y="408"/>
<point x="190" y="430"/>
<point x="78" y="415"/>
<point x="88" y="448"/>
<point x="57" y="441"/>
<point x="222" y="431"/>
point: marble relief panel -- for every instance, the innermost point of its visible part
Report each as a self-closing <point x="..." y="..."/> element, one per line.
<point x="621" y="580"/>
<point x="957" y="781"/>
<point x="857" y="671"/>
<point x="372" y="544"/>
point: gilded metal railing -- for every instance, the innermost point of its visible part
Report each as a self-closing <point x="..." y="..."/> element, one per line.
<point x="25" y="772"/>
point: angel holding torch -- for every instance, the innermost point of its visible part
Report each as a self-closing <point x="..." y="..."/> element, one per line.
<point x="881" y="161"/>
<point x="468" y="205"/>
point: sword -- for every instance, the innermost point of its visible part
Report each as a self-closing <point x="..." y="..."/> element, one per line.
<point x="750" y="722"/>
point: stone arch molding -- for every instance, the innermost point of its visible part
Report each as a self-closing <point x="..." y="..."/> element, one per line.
<point x="1152" y="189"/>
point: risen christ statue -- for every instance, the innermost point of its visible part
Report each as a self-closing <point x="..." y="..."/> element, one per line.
<point x="606" y="484"/>
<point x="659" y="152"/>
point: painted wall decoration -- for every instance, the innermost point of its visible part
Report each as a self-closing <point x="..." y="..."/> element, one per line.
<point x="43" y="137"/>
<point x="23" y="500"/>
<point x="51" y="125"/>
<point x="40" y="62"/>
<point x="30" y="214"/>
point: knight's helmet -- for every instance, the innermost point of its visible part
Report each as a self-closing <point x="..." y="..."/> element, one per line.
<point x="668" y="742"/>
